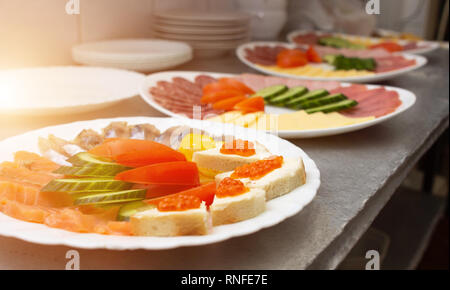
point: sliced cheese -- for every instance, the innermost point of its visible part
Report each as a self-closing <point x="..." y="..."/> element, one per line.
<point x="247" y="119"/>
<point x="227" y="117"/>
<point x="301" y="120"/>
<point x="317" y="71"/>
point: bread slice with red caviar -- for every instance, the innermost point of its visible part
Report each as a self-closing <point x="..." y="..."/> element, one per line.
<point x="153" y="222"/>
<point x="212" y="162"/>
<point x="290" y="175"/>
<point x="236" y="204"/>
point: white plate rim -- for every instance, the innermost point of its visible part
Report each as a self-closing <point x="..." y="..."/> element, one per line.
<point x="240" y="52"/>
<point x="432" y="45"/>
<point x="278" y="209"/>
<point x="93" y="104"/>
<point x="407" y="98"/>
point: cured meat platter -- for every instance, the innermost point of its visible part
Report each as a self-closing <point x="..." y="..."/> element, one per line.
<point x="351" y="65"/>
<point x="179" y="94"/>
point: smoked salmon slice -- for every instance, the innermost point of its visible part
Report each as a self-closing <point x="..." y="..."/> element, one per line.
<point x="12" y="171"/>
<point x="34" y="162"/>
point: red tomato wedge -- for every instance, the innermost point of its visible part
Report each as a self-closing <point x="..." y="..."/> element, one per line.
<point x="312" y="55"/>
<point x="389" y="46"/>
<point x="220" y="95"/>
<point x="291" y="58"/>
<point x="136" y="153"/>
<point x="228" y="104"/>
<point x="237" y="85"/>
<point x="250" y="105"/>
<point x="205" y="192"/>
<point x="178" y="172"/>
<point x="214" y="87"/>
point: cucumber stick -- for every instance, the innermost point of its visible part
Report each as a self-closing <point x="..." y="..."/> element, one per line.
<point x="270" y="92"/>
<point x="88" y="159"/>
<point x="85" y="185"/>
<point x="91" y="171"/>
<point x="131" y="208"/>
<point x="112" y="197"/>
<point x="334" y="98"/>
<point x="345" y="104"/>
<point x="306" y="97"/>
<point x="290" y="94"/>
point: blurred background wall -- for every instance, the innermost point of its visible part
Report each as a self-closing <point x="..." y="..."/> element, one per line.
<point x="40" y="32"/>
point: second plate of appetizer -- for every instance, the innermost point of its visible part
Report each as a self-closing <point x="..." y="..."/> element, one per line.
<point x="289" y="108"/>
<point x="326" y="63"/>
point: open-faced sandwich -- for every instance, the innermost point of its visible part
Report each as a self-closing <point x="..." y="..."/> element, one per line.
<point x="128" y="181"/>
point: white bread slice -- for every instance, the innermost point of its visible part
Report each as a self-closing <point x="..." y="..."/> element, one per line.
<point x="278" y="182"/>
<point x="214" y="161"/>
<point x="171" y="223"/>
<point x="232" y="209"/>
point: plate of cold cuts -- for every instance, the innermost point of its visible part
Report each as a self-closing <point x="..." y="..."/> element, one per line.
<point x="313" y="62"/>
<point x="287" y="107"/>
<point x="347" y="41"/>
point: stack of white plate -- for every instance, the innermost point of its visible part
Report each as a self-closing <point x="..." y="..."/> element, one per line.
<point x="144" y="55"/>
<point x="209" y="33"/>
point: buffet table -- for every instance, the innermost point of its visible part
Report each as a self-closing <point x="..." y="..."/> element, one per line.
<point x="360" y="171"/>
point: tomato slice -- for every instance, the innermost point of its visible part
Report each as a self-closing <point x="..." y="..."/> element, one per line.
<point x="178" y="172"/>
<point x="214" y="87"/>
<point x="235" y="84"/>
<point x="250" y="105"/>
<point x="312" y="55"/>
<point x="228" y="104"/>
<point x="291" y="58"/>
<point x="389" y="46"/>
<point x="136" y="153"/>
<point x="220" y="95"/>
<point x="205" y="192"/>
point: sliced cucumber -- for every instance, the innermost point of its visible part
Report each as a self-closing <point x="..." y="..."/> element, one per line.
<point x="112" y="197"/>
<point x="270" y="92"/>
<point x="334" y="98"/>
<point x="290" y="94"/>
<point x="85" y="185"/>
<point x="88" y="159"/>
<point x="346" y="104"/>
<point x="307" y="97"/>
<point x="91" y="171"/>
<point x="131" y="208"/>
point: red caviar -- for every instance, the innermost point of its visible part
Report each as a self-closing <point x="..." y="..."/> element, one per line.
<point x="258" y="169"/>
<point x="238" y="147"/>
<point x="179" y="203"/>
<point x="230" y="187"/>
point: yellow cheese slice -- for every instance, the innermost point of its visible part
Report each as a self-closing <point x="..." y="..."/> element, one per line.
<point x="227" y="117"/>
<point x="247" y="119"/>
<point x="301" y="120"/>
<point x="317" y="71"/>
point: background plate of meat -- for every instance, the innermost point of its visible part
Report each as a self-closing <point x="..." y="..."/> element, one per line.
<point x="262" y="56"/>
<point x="178" y="93"/>
<point x="409" y="46"/>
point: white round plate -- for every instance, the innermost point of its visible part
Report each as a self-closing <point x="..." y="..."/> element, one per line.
<point x="423" y="46"/>
<point x="200" y="16"/>
<point x="376" y="77"/>
<point x="406" y="97"/>
<point x="278" y="209"/>
<point x="65" y="89"/>
<point x="136" y="54"/>
<point x="200" y="37"/>
<point x="199" y="30"/>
